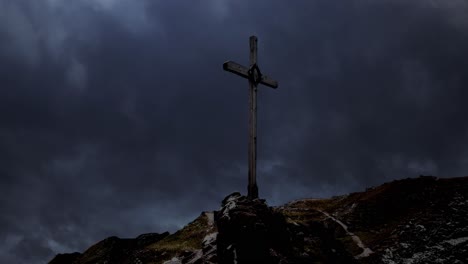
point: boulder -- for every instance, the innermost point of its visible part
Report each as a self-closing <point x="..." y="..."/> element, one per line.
<point x="250" y="232"/>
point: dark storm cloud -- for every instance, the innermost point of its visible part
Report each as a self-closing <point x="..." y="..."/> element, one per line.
<point x="117" y="118"/>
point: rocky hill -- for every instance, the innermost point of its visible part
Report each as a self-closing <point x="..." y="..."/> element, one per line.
<point x="421" y="220"/>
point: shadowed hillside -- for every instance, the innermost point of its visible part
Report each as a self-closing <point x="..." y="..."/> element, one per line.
<point x="421" y="220"/>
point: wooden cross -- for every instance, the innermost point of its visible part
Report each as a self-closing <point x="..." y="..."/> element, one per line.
<point x="254" y="75"/>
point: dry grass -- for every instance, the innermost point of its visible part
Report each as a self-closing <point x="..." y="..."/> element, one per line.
<point x="188" y="238"/>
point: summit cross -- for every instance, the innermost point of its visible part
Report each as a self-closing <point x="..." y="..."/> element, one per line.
<point x="255" y="77"/>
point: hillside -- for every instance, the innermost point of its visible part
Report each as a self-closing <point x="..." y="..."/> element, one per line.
<point x="420" y="220"/>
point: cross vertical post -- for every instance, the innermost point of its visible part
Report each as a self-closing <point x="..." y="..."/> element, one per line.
<point x="255" y="77"/>
<point x="252" y="187"/>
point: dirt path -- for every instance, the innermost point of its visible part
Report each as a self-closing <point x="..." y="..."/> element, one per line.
<point x="365" y="250"/>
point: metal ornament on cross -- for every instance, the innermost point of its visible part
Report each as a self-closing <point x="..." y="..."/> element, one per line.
<point x="255" y="77"/>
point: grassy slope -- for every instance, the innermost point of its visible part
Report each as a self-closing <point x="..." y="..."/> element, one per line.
<point x="188" y="238"/>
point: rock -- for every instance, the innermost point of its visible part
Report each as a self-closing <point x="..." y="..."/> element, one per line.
<point x="250" y="232"/>
<point x="65" y="258"/>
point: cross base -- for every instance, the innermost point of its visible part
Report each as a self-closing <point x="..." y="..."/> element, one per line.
<point x="252" y="191"/>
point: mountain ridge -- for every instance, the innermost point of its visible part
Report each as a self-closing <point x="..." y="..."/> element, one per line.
<point x="413" y="220"/>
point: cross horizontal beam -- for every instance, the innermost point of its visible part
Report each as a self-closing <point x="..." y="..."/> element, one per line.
<point x="242" y="71"/>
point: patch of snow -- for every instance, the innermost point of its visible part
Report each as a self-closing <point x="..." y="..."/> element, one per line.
<point x="174" y="260"/>
<point x="235" y="256"/>
<point x="293" y="222"/>
<point x="421" y="227"/>
<point x="432" y="254"/>
<point x="388" y="256"/>
<point x="418" y="257"/>
<point x="365" y="250"/>
<point x="210" y="238"/>
<point x="404" y="245"/>
<point x="230" y="204"/>
<point x="438" y="247"/>
<point x="365" y="253"/>
<point x="456" y="241"/>
<point x="232" y="198"/>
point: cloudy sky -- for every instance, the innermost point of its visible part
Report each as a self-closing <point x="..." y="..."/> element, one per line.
<point x="116" y="117"/>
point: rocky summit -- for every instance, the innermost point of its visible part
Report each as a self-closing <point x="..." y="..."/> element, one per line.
<point x="420" y="220"/>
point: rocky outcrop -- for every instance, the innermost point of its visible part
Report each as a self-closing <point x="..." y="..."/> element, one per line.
<point x="250" y="232"/>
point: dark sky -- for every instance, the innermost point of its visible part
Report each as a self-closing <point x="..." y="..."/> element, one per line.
<point x="116" y="117"/>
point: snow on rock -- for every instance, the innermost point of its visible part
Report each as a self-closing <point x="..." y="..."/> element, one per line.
<point x="365" y="253"/>
<point x="418" y="257"/>
<point x="229" y="203"/>
<point x="432" y="252"/>
<point x="174" y="260"/>
<point x="235" y="256"/>
<point x="404" y="245"/>
<point x="210" y="238"/>
<point x="456" y="241"/>
<point x="248" y="229"/>
<point x="387" y="257"/>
